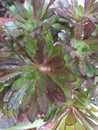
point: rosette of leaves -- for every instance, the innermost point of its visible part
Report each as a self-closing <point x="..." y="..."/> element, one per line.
<point x="35" y="70"/>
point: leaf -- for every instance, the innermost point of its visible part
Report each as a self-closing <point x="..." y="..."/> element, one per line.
<point x="70" y="77"/>
<point x="7" y="77"/>
<point x="84" y="103"/>
<point x="56" y="95"/>
<point x="56" y="51"/>
<point x="27" y="125"/>
<point x="94" y="7"/>
<point x="43" y="103"/>
<point x="20" y="9"/>
<point x="28" y="6"/>
<point x="60" y="80"/>
<point x="1" y="87"/>
<point x="55" y="64"/>
<point x="93" y="44"/>
<point x="76" y="70"/>
<point x="88" y="4"/>
<point x="28" y="95"/>
<point x="18" y="84"/>
<point x="60" y="27"/>
<point x="37" y="6"/>
<point x="44" y="9"/>
<point x="49" y="44"/>
<point x="30" y="43"/>
<point x="82" y="67"/>
<point x="91" y="69"/>
<point x="70" y="120"/>
<point x="17" y="96"/>
<point x="89" y="29"/>
<point x="33" y="108"/>
<point x="82" y="49"/>
<point x="77" y="126"/>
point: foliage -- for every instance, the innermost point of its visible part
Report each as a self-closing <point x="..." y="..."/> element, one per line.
<point x="49" y="63"/>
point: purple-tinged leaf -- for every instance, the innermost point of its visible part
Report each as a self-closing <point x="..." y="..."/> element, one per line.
<point x="37" y="5"/>
<point x="79" y="31"/>
<point x="88" y="4"/>
<point x="94" y="7"/>
<point x="54" y="64"/>
<point x="56" y="95"/>
<point x="89" y="29"/>
<point x="9" y="65"/>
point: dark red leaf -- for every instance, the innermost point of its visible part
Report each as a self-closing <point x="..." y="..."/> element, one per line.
<point x="54" y="64"/>
<point x="56" y="95"/>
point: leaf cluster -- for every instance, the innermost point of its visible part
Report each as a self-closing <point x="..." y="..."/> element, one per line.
<point x="48" y="65"/>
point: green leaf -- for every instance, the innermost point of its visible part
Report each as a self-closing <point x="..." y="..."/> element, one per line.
<point x="1" y="87"/>
<point x="91" y="69"/>
<point x="82" y="49"/>
<point x="28" y="94"/>
<point x="42" y="101"/>
<point x="70" y="120"/>
<point x="33" y="108"/>
<point x="61" y="82"/>
<point x="84" y="103"/>
<point x="22" y="11"/>
<point x="52" y="113"/>
<point x="56" y="51"/>
<point x="80" y="10"/>
<point x="44" y="9"/>
<point x="30" y="43"/>
<point x="7" y="77"/>
<point x="49" y="44"/>
<point x="60" y="27"/>
<point x="77" y="126"/>
<point x="18" y="84"/>
<point x="49" y="22"/>
<point x="28" y="7"/>
<point x="76" y="70"/>
<point x="17" y="96"/>
<point x="79" y="105"/>
<point x="27" y="125"/>
<point x="93" y="44"/>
